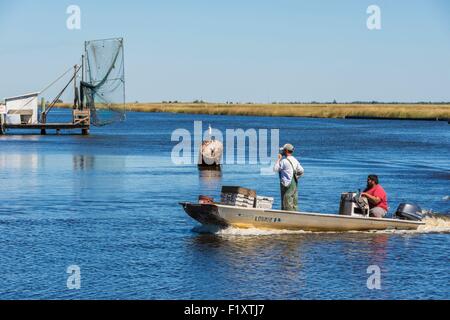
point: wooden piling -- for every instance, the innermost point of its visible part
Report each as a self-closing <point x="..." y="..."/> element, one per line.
<point x="43" y="116"/>
<point x="2" y="121"/>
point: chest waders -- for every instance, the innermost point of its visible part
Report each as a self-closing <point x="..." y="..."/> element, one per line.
<point x="289" y="195"/>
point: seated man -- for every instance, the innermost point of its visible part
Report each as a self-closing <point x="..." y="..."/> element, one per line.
<point x="377" y="197"/>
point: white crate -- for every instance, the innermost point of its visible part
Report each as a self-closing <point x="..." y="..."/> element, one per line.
<point x="238" y="200"/>
<point x="265" y="206"/>
<point x="264" y="202"/>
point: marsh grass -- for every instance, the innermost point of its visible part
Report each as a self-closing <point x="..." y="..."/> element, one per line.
<point x="397" y="111"/>
<point x="303" y="110"/>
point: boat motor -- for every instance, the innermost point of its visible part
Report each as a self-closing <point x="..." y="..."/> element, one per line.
<point x="409" y="212"/>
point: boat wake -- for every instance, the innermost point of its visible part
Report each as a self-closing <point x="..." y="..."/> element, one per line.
<point x="251" y="232"/>
<point x="434" y="223"/>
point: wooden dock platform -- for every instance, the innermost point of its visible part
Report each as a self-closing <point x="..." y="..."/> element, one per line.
<point x="44" y="127"/>
<point x="81" y="121"/>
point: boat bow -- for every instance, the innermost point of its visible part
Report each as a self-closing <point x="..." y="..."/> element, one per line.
<point x="206" y="214"/>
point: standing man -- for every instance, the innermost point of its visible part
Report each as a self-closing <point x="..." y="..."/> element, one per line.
<point x="377" y="197"/>
<point x="290" y="171"/>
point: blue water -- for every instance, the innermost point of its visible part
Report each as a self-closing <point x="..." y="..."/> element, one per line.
<point x="109" y="204"/>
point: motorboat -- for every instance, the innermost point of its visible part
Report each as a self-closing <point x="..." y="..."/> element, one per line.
<point x="353" y="216"/>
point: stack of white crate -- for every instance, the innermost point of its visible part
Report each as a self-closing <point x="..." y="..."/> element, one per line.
<point x="238" y="200"/>
<point x="238" y="197"/>
<point x="264" y="203"/>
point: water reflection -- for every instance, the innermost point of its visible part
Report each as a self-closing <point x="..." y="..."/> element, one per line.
<point x="289" y="248"/>
<point x="378" y="249"/>
<point x="82" y="163"/>
<point x="210" y="179"/>
<point x="289" y="263"/>
<point x="25" y="138"/>
<point x="239" y="263"/>
<point x="20" y="161"/>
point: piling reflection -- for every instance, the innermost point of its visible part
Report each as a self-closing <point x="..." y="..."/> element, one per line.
<point x="82" y="163"/>
<point x="210" y="179"/>
<point x="100" y="177"/>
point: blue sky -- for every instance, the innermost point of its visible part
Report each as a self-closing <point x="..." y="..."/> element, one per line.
<point x="260" y="51"/>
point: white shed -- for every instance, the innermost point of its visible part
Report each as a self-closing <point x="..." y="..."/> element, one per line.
<point x="22" y="109"/>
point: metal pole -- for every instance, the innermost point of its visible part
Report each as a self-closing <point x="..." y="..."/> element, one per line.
<point x="47" y="110"/>
<point x="82" y="79"/>
<point x="82" y="68"/>
<point x="75" y="87"/>
<point x="124" y="83"/>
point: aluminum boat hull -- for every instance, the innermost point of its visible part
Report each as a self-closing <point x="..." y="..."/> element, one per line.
<point x="226" y="216"/>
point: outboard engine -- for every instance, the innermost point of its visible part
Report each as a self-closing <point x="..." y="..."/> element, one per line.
<point x="409" y="212"/>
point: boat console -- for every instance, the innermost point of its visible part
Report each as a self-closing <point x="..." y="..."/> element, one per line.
<point x="352" y="204"/>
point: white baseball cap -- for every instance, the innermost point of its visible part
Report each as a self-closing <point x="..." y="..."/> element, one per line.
<point x="288" y="147"/>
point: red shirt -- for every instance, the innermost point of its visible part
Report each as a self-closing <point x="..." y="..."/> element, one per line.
<point x="379" y="192"/>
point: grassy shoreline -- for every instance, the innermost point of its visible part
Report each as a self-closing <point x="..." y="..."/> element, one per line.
<point x="391" y="111"/>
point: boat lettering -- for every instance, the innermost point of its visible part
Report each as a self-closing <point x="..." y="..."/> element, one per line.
<point x="267" y="219"/>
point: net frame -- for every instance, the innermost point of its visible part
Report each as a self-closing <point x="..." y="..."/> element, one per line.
<point x="105" y="80"/>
